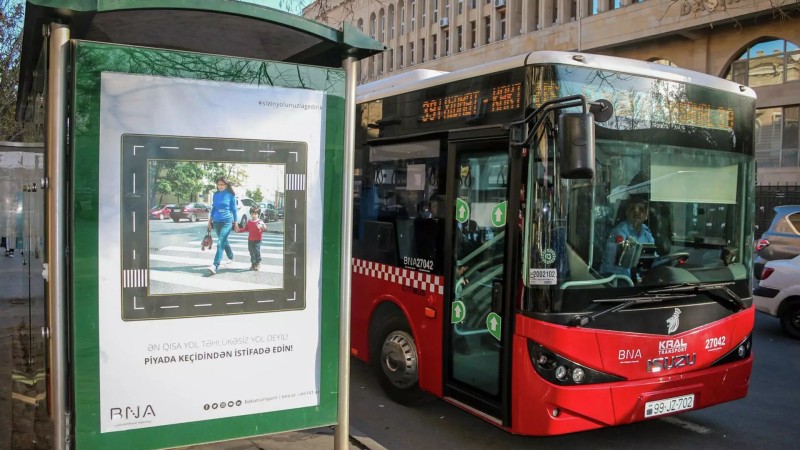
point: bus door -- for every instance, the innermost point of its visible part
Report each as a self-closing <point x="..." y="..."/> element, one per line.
<point x="474" y="341"/>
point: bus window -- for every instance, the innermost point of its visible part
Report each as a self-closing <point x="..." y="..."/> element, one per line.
<point x="399" y="205"/>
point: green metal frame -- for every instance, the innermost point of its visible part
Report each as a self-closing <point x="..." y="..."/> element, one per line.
<point x="89" y="61"/>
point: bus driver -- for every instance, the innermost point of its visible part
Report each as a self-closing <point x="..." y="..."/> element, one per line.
<point x="632" y="227"/>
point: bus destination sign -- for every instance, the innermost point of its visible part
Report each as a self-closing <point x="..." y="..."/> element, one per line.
<point x="505" y="97"/>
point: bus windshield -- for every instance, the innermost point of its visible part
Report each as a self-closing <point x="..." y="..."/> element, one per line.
<point x="669" y="202"/>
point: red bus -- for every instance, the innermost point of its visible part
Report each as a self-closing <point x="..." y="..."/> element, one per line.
<point x="555" y="242"/>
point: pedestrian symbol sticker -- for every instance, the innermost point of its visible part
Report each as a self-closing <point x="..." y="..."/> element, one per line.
<point x="499" y="215"/>
<point x="462" y="211"/>
<point x="494" y="323"/>
<point x="458" y="313"/>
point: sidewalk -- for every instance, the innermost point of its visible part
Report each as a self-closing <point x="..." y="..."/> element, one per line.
<point x="312" y="439"/>
<point x="22" y="425"/>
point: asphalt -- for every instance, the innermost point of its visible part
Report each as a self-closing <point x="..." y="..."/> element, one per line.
<point x="16" y="418"/>
<point x="311" y="439"/>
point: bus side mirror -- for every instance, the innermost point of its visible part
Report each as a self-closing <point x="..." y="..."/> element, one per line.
<point x="576" y="142"/>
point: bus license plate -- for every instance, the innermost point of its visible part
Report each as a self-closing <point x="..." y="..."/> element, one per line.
<point x="668" y="405"/>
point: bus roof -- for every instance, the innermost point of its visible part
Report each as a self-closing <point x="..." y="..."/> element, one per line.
<point x="412" y="81"/>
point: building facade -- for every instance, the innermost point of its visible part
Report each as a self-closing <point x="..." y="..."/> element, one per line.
<point x="752" y="42"/>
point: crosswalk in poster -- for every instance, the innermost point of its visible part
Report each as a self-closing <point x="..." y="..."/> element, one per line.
<point x="179" y="342"/>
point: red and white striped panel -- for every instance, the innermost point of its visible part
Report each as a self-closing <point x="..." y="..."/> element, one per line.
<point x="404" y="277"/>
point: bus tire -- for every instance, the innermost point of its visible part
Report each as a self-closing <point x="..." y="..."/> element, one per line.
<point x="396" y="363"/>
<point x="790" y="319"/>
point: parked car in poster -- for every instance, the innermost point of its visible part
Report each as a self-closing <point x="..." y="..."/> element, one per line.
<point x="161" y="212"/>
<point x="190" y="211"/>
<point x="268" y="212"/>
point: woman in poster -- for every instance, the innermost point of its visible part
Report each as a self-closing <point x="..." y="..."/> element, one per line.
<point x="223" y="219"/>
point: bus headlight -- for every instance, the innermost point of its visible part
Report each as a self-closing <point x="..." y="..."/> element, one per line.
<point x="559" y="370"/>
<point x="561" y="373"/>
<point x="742" y="351"/>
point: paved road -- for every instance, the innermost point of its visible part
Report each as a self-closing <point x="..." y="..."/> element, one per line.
<point x="179" y="265"/>
<point x="766" y="419"/>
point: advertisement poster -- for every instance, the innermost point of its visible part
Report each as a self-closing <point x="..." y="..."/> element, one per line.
<point x="177" y="343"/>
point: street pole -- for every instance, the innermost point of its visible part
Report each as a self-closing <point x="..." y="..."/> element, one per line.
<point x="56" y="231"/>
<point x="342" y="431"/>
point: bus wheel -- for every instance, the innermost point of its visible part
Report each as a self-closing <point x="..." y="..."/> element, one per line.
<point x="790" y="320"/>
<point x="397" y="365"/>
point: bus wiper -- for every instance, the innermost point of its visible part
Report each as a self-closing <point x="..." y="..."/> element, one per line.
<point x="731" y="299"/>
<point x="624" y="302"/>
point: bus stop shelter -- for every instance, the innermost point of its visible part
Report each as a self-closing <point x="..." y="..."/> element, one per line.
<point x="142" y="101"/>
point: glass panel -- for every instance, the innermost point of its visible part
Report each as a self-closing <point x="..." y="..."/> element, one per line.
<point x="478" y="257"/>
<point x="766" y="70"/>
<point x="767" y="48"/>
<point x="791" y="136"/>
<point x="22" y="306"/>
<point x="793" y="66"/>
<point x="398" y="207"/>
<point x="667" y="203"/>
<point x="768" y="137"/>
<point x="739" y="72"/>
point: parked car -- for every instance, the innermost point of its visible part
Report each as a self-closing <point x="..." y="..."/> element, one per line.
<point x="243" y="205"/>
<point x="161" y="212"/>
<point x="268" y="212"/>
<point x="778" y="293"/>
<point x="280" y="213"/>
<point x="781" y="240"/>
<point x="190" y="211"/>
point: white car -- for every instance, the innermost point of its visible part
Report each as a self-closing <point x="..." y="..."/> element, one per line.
<point x="243" y="204"/>
<point x="778" y="293"/>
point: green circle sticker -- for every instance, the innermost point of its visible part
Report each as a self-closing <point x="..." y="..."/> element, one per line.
<point x="548" y="256"/>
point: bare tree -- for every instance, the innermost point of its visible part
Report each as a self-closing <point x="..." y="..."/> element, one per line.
<point x="10" y="46"/>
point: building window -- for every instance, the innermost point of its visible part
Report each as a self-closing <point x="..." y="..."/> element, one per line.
<point x="372" y="26"/>
<point x="434" y="46"/>
<point x="502" y="25"/>
<point x="382" y="25"/>
<point x="446" y="42"/>
<point x="391" y="21"/>
<point x="457" y="45"/>
<point x="487" y="29"/>
<point x="400" y="57"/>
<point x="422" y="22"/>
<point x="663" y="62"/>
<point x="460" y="6"/>
<point x="473" y="34"/>
<point x="766" y="63"/>
<point x="777" y="136"/>
<point x="413" y="13"/>
<point x="360" y="25"/>
<point x="402" y="20"/>
<point x="390" y="58"/>
<point x="447" y="8"/>
<point x="411" y="53"/>
<point x="422" y="50"/>
<point x="435" y="11"/>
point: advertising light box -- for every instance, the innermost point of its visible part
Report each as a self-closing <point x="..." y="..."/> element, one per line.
<point x="169" y="352"/>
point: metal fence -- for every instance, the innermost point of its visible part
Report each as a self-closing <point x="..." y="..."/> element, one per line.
<point x="770" y="196"/>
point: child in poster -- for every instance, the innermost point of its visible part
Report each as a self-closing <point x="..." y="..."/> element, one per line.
<point x="255" y="227"/>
